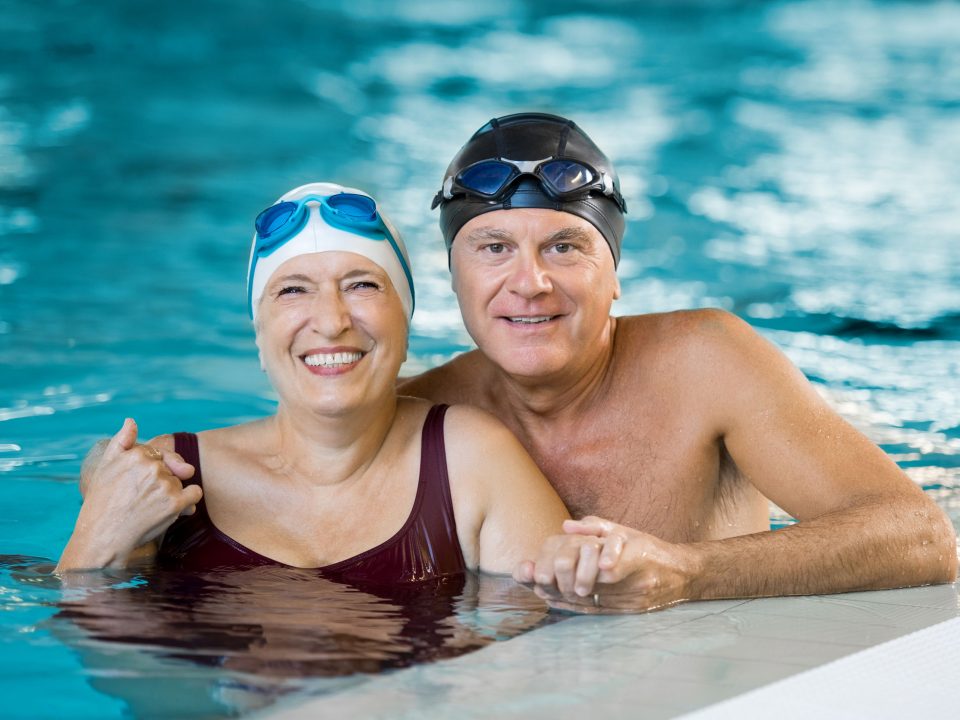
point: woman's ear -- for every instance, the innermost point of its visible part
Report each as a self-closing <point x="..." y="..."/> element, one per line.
<point x="256" y="339"/>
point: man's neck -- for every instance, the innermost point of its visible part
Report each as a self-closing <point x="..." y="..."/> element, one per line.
<point x="552" y="398"/>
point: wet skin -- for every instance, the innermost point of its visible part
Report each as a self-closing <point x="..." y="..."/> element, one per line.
<point x="677" y="425"/>
<point x="604" y="405"/>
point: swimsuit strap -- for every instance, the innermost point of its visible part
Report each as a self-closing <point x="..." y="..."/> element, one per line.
<point x="433" y="457"/>
<point x="186" y="446"/>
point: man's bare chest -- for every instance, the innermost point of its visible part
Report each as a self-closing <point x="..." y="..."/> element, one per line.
<point x="665" y="485"/>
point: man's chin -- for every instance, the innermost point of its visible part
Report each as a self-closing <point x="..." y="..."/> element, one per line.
<point x="530" y="363"/>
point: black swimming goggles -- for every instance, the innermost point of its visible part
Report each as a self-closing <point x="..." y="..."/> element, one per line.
<point x="561" y="178"/>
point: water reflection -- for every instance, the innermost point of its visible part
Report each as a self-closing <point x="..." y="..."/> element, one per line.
<point x="235" y="640"/>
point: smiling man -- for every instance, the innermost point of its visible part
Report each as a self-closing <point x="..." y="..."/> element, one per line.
<point x="671" y="431"/>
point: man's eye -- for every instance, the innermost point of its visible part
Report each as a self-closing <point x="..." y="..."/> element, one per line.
<point x="290" y="290"/>
<point x="563" y="247"/>
<point x="496" y="248"/>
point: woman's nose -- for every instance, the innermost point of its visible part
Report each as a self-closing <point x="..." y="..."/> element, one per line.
<point x="330" y="314"/>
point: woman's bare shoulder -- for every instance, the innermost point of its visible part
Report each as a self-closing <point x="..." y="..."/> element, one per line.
<point x="238" y="439"/>
<point x="474" y="425"/>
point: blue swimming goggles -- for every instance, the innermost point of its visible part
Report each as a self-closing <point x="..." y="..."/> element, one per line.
<point x="351" y="212"/>
<point x="561" y="179"/>
<point x="347" y="211"/>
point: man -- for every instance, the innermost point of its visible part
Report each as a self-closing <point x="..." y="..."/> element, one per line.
<point x="676" y="428"/>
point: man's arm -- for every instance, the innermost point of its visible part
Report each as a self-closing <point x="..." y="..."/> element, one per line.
<point x="862" y="523"/>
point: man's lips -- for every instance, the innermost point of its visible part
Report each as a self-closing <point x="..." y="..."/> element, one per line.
<point x="528" y="319"/>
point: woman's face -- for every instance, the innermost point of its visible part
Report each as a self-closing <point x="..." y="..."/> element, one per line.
<point x="332" y="332"/>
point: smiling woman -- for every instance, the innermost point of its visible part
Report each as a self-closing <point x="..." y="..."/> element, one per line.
<point x="346" y="479"/>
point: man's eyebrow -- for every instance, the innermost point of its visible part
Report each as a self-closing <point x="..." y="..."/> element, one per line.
<point x="568" y="234"/>
<point x="488" y="233"/>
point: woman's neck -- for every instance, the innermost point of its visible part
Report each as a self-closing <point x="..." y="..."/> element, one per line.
<point x="321" y="449"/>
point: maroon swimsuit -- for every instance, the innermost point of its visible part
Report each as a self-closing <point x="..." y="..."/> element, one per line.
<point x="426" y="547"/>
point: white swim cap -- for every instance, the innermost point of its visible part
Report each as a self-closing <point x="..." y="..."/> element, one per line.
<point x="323" y="217"/>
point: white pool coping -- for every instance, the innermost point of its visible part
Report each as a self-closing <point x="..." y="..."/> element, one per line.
<point x="913" y="676"/>
<point x="722" y="659"/>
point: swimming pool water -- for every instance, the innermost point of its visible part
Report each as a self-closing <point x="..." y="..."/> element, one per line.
<point x="794" y="162"/>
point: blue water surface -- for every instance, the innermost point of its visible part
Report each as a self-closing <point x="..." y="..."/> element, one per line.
<point x="796" y="162"/>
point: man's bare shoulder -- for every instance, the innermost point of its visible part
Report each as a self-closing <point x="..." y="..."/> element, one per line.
<point x="459" y="380"/>
<point x="680" y="331"/>
<point x="704" y="354"/>
<point x="711" y="357"/>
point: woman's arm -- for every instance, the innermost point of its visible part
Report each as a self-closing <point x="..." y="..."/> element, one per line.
<point x="504" y="506"/>
<point x="130" y="498"/>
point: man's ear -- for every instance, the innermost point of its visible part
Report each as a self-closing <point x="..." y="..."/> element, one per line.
<point x="453" y="279"/>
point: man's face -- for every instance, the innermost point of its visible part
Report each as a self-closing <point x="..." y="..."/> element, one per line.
<point x="535" y="288"/>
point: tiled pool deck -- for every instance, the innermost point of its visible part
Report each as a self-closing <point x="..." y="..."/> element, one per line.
<point x="677" y="661"/>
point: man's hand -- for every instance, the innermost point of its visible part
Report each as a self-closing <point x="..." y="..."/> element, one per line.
<point x="131" y="496"/>
<point x="600" y="565"/>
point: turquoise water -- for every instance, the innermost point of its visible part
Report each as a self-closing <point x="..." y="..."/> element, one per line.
<point x="794" y="162"/>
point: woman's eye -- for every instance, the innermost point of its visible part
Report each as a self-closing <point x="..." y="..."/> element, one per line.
<point x="364" y="285"/>
<point x="290" y="290"/>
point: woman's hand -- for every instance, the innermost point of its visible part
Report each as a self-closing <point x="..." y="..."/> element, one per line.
<point x="598" y="564"/>
<point x="132" y="496"/>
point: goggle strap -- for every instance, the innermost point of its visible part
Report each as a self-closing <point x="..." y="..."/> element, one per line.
<point x="495" y="124"/>
<point x="562" y="143"/>
<point x="406" y="271"/>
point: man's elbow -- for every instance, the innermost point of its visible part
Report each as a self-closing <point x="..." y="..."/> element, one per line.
<point x="938" y="543"/>
<point x="948" y="545"/>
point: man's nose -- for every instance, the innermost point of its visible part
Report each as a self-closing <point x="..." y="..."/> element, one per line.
<point x="529" y="276"/>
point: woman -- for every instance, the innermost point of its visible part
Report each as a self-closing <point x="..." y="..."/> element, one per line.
<point x="346" y="477"/>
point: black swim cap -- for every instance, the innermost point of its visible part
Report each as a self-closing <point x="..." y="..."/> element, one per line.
<point x="534" y="137"/>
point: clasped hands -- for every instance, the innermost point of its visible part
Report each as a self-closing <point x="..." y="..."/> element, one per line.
<point x="131" y="495"/>
<point x="598" y="565"/>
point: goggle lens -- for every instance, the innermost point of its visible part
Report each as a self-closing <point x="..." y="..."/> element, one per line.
<point x="353" y="207"/>
<point x="487" y="177"/>
<point x="566" y="175"/>
<point x="274" y="218"/>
